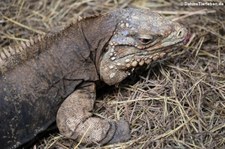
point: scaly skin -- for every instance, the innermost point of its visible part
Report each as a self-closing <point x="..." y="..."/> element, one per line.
<point x="53" y="77"/>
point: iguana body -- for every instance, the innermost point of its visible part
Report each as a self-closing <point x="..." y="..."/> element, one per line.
<point x="53" y="77"/>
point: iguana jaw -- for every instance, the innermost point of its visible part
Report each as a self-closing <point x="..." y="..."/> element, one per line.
<point x="139" y="59"/>
<point x="113" y="70"/>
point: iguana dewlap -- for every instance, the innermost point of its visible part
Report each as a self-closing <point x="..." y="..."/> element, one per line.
<point x="52" y="78"/>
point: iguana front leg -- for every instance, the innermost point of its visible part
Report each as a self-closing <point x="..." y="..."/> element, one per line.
<point x="74" y="119"/>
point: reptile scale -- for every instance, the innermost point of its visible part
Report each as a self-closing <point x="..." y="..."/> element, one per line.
<point x="53" y="77"/>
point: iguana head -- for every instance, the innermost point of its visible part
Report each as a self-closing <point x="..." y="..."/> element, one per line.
<point x="141" y="37"/>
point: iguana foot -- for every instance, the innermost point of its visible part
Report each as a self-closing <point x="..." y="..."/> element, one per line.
<point x="122" y="132"/>
<point x="75" y="120"/>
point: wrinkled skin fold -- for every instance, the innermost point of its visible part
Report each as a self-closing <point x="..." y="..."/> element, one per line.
<point x="53" y="78"/>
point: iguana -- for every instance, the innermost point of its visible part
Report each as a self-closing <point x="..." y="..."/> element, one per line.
<point x="53" y="78"/>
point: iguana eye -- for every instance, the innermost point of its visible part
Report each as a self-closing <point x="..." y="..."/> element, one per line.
<point x="146" y="39"/>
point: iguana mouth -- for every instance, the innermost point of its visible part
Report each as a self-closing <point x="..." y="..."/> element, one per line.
<point x="140" y="57"/>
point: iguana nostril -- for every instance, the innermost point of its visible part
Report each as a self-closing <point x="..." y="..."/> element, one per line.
<point x="180" y="33"/>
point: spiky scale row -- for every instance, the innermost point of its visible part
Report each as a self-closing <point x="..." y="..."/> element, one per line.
<point x="84" y="17"/>
<point x="12" y="51"/>
<point x="4" y="53"/>
<point x="7" y="55"/>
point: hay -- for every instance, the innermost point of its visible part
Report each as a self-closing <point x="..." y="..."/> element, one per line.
<point x="176" y="103"/>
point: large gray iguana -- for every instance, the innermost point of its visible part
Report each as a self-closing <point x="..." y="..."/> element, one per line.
<point x="52" y="78"/>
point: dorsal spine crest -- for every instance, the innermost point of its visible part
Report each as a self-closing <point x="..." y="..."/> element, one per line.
<point x="85" y="17"/>
<point x="12" y="56"/>
<point x="17" y="53"/>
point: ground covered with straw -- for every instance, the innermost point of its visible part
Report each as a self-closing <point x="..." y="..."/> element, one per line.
<point x="175" y="103"/>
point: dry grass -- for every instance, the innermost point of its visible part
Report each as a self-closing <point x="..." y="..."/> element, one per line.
<point x="176" y="103"/>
